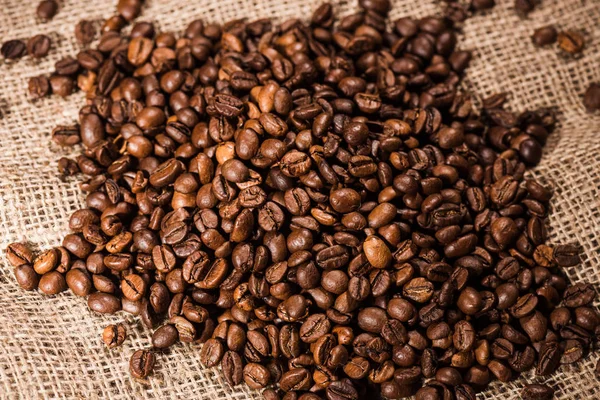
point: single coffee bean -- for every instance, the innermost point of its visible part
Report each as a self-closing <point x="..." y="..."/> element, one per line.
<point x="544" y="36"/>
<point x="537" y="392"/>
<point x="114" y="335"/>
<point x="104" y="303"/>
<point x="591" y="99"/>
<point x="19" y="254"/>
<point x="212" y="353"/>
<point x="571" y="42"/>
<point x="256" y="376"/>
<point x="13" y="49"/>
<point x="38" y="87"/>
<point x="141" y="363"/>
<point x="26" y="277"/>
<point x="85" y="32"/>
<point x="38" y="46"/>
<point x="79" y="282"/>
<point x="52" y="282"/>
<point x="232" y="366"/>
<point x="165" y="336"/>
<point x="46" y="9"/>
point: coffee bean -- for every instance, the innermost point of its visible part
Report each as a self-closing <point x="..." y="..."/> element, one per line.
<point x="232" y="368"/>
<point x="165" y="336"/>
<point x="26" y="276"/>
<point x="537" y="392"/>
<point x="591" y="99"/>
<point x="571" y="42"/>
<point x="314" y="327"/>
<point x="141" y="363"/>
<point x="256" y="376"/>
<point x="114" y="335"/>
<point x="19" y="254"/>
<point x="579" y="295"/>
<point x="212" y="353"/>
<point x="544" y="36"/>
<point x="13" y="49"/>
<point x="104" y="303"/>
<point x="85" y="32"/>
<point x="46" y="9"/>
<point x="38" y="46"/>
<point x="52" y="282"/>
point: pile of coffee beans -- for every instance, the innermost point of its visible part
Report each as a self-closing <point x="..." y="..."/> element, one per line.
<point x="319" y="205"/>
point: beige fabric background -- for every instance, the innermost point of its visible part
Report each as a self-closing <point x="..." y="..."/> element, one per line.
<point x="51" y="347"/>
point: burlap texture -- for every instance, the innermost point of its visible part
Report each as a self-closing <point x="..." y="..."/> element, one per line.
<point x="51" y="347"/>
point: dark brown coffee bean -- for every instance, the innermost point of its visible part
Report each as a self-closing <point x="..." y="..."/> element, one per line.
<point x="544" y="36"/>
<point x="537" y="392"/>
<point x="19" y="254"/>
<point x="52" y="283"/>
<point x="591" y="98"/>
<point x="232" y="368"/>
<point x="104" y="303"/>
<point x="141" y="363"/>
<point x="212" y="353"/>
<point x="46" y="9"/>
<point x="13" y="49"/>
<point x="256" y="376"/>
<point x="26" y="277"/>
<point x="38" y="46"/>
<point x="165" y="336"/>
<point x="85" y="32"/>
<point x="579" y="295"/>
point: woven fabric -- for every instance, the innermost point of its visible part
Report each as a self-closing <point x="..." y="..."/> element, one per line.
<point x="50" y="347"/>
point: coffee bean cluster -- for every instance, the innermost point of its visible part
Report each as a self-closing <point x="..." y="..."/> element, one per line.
<point x="319" y="205"/>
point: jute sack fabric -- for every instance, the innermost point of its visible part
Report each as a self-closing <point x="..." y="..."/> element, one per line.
<point x="51" y="347"/>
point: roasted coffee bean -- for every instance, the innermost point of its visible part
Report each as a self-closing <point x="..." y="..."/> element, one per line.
<point x="571" y="42"/>
<point x="233" y="369"/>
<point x="85" y="32"/>
<point x="13" y="49"/>
<point x="26" y="277"/>
<point x="536" y="391"/>
<point x="104" y="303"/>
<point x="544" y="36"/>
<point x="46" y="9"/>
<point x="591" y="98"/>
<point x="165" y="336"/>
<point x="141" y="363"/>
<point x="19" y="254"/>
<point x="256" y="376"/>
<point x="38" y="46"/>
<point x="212" y="353"/>
<point x="114" y="335"/>
<point x="52" y="283"/>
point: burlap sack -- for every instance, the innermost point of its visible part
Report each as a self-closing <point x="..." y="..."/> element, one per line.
<point x="51" y="347"/>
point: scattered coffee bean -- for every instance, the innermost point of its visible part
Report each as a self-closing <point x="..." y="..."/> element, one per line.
<point x="46" y="9"/>
<point x="38" y="46"/>
<point x="544" y="36"/>
<point x="85" y="32"/>
<point x="535" y="391"/>
<point x="114" y="335"/>
<point x="13" y="49"/>
<point x="571" y="42"/>
<point x="591" y="98"/>
<point x="141" y="363"/>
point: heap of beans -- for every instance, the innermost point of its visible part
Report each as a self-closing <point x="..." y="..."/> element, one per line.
<point x="320" y="206"/>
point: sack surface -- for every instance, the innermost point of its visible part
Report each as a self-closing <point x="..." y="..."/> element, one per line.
<point x="52" y="348"/>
